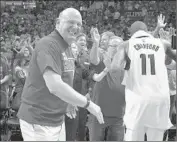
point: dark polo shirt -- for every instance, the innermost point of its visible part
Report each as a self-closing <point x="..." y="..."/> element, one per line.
<point x="109" y="94"/>
<point x="38" y="105"/>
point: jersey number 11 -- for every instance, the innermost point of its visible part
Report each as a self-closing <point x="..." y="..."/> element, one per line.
<point x="152" y="63"/>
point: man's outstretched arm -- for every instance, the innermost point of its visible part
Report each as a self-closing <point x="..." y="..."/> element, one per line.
<point x="62" y="90"/>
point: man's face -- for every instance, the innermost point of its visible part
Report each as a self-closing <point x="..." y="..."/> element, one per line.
<point x="104" y="42"/>
<point x="81" y="42"/>
<point x="74" y="50"/>
<point x="26" y="52"/>
<point x="70" y="26"/>
<point x="17" y="44"/>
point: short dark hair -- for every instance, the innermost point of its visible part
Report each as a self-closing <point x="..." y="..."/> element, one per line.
<point x="136" y="26"/>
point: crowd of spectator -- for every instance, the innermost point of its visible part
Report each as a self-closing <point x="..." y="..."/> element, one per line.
<point x="40" y="21"/>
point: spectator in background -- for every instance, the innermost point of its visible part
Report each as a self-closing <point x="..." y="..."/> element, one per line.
<point x="80" y="85"/>
<point x="116" y="16"/>
<point x="4" y="74"/>
<point x="21" y="72"/>
<point x="106" y="90"/>
<point x="171" y="68"/>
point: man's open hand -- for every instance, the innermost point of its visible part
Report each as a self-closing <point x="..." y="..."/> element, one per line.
<point x="96" y="111"/>
<point x="72" y="111"/>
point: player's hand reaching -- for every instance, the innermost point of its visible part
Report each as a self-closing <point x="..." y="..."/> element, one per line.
<point x="161" y="21"/>
<point x="95" y="35"/>
<point x="96" y="111"/>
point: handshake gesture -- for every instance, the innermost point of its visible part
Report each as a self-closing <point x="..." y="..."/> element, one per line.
<point x="92" y="108"/>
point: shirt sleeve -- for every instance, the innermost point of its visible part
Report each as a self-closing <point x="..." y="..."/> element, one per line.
<point x="47" y="58"/>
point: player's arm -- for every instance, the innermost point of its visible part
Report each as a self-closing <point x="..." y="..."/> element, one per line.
<point x="168" y="50"/>
<point x="120" y="57"/>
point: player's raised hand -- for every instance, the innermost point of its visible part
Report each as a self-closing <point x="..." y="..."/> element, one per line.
<point x="161" y="21"/>
<point x="96" y="111"/>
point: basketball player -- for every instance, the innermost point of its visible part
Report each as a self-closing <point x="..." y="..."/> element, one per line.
<point x="146" y="81"/>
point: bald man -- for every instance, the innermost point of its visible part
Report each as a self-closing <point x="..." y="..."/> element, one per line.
<point x="146" y="84"/>
<point x="48" y="88"/>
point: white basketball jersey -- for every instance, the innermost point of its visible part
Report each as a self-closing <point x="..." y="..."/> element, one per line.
<point x="147" y="75"/>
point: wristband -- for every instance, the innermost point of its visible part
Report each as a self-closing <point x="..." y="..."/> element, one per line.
<point x="88" y="103"/>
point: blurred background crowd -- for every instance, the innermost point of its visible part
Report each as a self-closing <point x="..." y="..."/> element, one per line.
<point x="36" y="19"/>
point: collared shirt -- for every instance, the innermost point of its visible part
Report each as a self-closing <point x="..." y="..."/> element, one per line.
<point x="38" y="105"/>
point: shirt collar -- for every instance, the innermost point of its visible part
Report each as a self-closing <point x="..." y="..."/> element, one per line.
<point x="61" y="38"/>
<point x="141" y="33"/>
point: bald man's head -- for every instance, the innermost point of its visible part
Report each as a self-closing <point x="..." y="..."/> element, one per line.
<point x="69" y="24"/>
<point x="136" y="26"/>
<point x="69" y="12"/>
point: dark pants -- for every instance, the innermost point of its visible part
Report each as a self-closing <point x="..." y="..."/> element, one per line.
<point x="76" y="125"/>
<point x="106" y="131"/>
